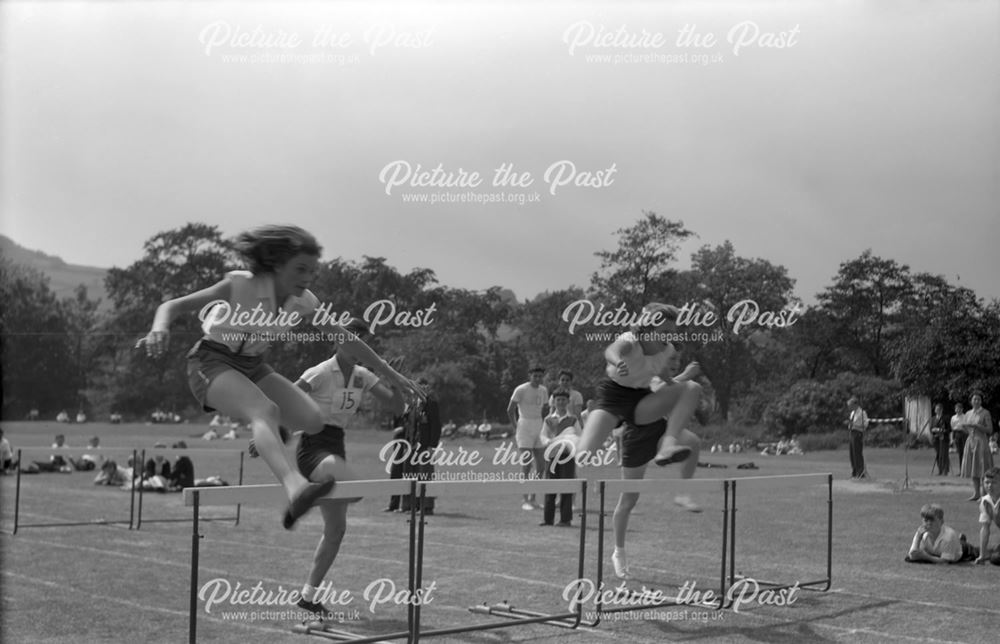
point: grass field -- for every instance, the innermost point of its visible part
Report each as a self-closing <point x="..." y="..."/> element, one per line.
<point x="102" y="583"/>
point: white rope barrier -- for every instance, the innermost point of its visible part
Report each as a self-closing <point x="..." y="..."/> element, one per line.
<point x="653" y="486"/>
<point x="781" y="480"/>
<point x="272" y="494"/>
<point x="502" y="488"/>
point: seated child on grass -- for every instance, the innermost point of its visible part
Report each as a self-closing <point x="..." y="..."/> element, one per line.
<point x="989" y="515"/>
<point x="934" y="542"/>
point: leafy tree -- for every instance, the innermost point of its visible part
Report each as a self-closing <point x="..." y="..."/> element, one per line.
<point x="865" y="303"/>
<point x="951" y="343"/>
<point x="728" y="283"/>
<point x="643" y="258"/>
<point x="38" y="360"/>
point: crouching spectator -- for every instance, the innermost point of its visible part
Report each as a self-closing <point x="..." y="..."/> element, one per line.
<point x="935" y="542"/>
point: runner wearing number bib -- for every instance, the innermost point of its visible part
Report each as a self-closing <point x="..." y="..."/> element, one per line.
<point x="338" y="386"/>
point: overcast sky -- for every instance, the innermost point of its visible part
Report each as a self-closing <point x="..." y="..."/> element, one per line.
<point x="863" y="125"/>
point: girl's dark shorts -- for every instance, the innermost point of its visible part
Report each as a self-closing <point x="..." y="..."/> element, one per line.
<point x="639" y="443"/>
<point x="618" y="400"/>
<point x="313" y="448"/>
<point x="208" y="359"/>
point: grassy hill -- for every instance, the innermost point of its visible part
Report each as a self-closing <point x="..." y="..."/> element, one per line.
<point x="63" y="277"/>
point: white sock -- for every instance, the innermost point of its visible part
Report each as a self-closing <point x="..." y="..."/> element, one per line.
<point x="309" y="593"/>
<point x="619" y="551"/>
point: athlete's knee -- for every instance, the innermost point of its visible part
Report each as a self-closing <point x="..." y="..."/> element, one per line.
<point x="311" y="421"/>
<point x="693" y="389"/>
<point x="325" y="471"/>
<point x="627" y="501"/>
<point x="266" y="410"/>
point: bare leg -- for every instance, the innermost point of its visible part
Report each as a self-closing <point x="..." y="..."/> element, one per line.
<point x="677" y="402"/>
<point x="526" y="468"/>
<point x="595" y="432"/>
<point x="334" y="528"/>
<point x="538" y="458"/>
<point x="233" y="394"/>
<point x="626" y="502"/>
<point x="690" y="465"/>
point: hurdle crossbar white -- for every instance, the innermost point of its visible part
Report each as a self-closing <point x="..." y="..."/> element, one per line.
<point x="196" y="498"/>
<point x="620" y="486"/>
<point x="62" y="524"/>
<point x="235" y="518"/>
<point x="765" y="482"/>
<point x="513" y="616"/>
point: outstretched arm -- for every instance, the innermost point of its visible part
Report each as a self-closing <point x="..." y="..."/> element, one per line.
<point x="354" y="347"/>
<point x="157" y="339"/>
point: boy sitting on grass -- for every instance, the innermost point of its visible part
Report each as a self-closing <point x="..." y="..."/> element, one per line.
<point x="934" y="542"/>
<point x="989" y="515"/>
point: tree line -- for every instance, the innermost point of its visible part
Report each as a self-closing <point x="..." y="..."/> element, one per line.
<point x="879" y="330"/>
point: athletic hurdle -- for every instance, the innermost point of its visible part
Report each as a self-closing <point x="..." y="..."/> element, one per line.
<point x="779" y="481"/>
<point x="274" y="495"/>
<point x="656" y="486"/>
<point x="69" y="451"/>
<point x="513" y="616"/>
<point x="188" y="450"/>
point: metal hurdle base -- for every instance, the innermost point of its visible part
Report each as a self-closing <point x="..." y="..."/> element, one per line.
<point x="512" y="616"/>
<point x="63" y="524"/>
<point x="328" y="631"/>
<point x="816" y="585"/>
<point x="504" y="609"/>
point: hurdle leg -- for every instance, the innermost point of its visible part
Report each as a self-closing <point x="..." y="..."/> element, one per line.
<point x="17" y="492"/>
<point x="829" y="533"/>
<point x="141" y="463"/>
<point x="417" y="573"/>
<point x="725" y="541"/>
<point x="601" y="520"/>
<point x="195" y="537"/>
<point x="131" y="507"/>
<point x="238" y="506"/>
<point x="806" y="585"/>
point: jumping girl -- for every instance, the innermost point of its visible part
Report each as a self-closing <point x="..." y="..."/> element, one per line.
<point x="226" y="368"/>
<point x="625" y="395"/>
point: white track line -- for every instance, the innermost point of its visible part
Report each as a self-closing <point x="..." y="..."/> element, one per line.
<point x="812" y="621"/>
<point x="130" y="604"/>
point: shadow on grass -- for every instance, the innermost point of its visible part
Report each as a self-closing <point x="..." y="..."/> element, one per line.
<point x="791" y="631"/>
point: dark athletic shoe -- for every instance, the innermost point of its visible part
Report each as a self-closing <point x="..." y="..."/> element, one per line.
<point x="305" y="500"/>
<point x="673" y="455"/>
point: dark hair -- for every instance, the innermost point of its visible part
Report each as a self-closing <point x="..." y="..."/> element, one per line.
<point x="269" y="247"/>
<point x="992" y="473"/>
<point x="932" y="511"/>
<point x="560" y="393"/>
<point x="567" y="373"/>
<point x="536" y="367"/>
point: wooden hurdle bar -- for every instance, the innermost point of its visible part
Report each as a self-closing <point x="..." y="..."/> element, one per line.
<point x="763" y="482"/>
<point x="189" y="450"/>
<point x="655" y="486"/>
<point x="274" y="495"/>
<point x="70" y="450"/>
<point x="513" y="616"/>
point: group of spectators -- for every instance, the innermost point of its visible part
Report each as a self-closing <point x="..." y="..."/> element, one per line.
<point x="935" y="542"/>
<point x="972" y="434"/>
<point x="156" y="474"/>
